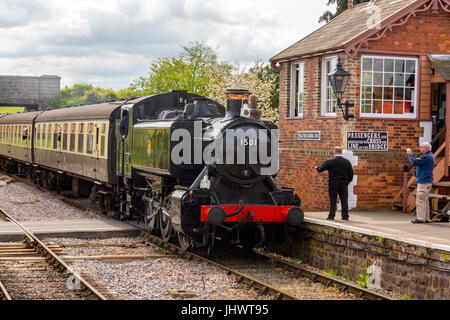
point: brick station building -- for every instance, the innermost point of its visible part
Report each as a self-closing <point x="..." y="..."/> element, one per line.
<point x="398" y="53"/>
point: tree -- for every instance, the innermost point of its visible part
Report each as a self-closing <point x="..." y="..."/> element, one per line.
<point x="342" y="5"/>
<point x="82" y="93"/>
<point x="258" y="79"/>
<point x="188" y="71"/>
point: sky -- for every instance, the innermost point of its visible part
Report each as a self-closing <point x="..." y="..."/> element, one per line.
<point x="108" y="43"/>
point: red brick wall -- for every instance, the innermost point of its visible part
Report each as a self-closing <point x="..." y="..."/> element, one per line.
<point x="379" y="174"/>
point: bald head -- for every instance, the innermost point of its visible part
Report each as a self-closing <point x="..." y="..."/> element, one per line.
<point x="337" y="150"/>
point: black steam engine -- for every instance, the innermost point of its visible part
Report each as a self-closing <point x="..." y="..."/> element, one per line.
<point x="219" y="182"/>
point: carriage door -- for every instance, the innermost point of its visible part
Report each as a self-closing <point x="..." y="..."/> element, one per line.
<point x="124" y="145"/>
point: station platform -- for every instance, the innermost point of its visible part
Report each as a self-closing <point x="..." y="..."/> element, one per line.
<point x="84" y="228"/>
<point x="392" y="225"/>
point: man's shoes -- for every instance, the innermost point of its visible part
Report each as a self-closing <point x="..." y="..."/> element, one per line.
<point x="330" y="218"/>
<point x="418" y="221"/>
<point x="345" y="218"/>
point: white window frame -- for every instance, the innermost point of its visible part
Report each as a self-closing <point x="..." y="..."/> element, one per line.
<point x="325" y="86"/>
<point x="300" y="107"/>
<point x="392" y="115"/>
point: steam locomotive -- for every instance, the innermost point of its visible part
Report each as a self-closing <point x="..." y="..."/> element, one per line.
<point x="187" y="166"/>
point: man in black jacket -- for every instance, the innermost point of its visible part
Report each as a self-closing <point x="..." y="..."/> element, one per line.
<point x="340" y="174"/>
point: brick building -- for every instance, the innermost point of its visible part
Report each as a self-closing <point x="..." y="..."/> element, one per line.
<point x="398" y="53"/>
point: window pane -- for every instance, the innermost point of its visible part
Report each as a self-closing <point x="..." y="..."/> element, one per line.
<point x="388" y="79"/>
<point x="366" y="93"/>
<point x="366" y="106"/>
<point x="367" y="78"/>
<point x="43" y="140"/>
<point x="387" y="107"/>
<point x="409" y="108"/>
<point x="367" y="64"/>
<point x="399" y="80"/>
<point x="72" y="142"/>
<point x="80" y="142"/>
<point x="377" y="106"/>
<point x="399" y="66"/>
<point x="377" y="79"/>
<point x="378" y="93"/>
<point x="410" y="80"/>
<point x="389" y="65"/>
<point x="64" y="142"/>
<point x="55" y="140"/>
<point x="399" y="93"/>
<point x="89" y="146"/>
<point x="388" y="93"/>
<point x="408" y="94"/>
<point x="410" y="66"/>
<point x="102" y="146"/>
<point x="378" y="65"/>
<point x="398" y="108"/>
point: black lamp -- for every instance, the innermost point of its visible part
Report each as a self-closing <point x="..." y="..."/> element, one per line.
<point x="339" y="81"/>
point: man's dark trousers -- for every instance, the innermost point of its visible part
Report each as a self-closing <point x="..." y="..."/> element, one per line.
<point x="340" y="188"/>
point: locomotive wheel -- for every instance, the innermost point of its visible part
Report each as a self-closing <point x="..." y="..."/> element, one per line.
<point x="184" y="241"/>
<point x="165" y="226"/>
<point x="151" y="222"/>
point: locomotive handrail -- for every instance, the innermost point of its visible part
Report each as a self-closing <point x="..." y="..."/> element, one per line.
<point x="241" y="207"/>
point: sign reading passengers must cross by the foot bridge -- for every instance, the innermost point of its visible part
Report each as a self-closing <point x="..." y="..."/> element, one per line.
<point x="367" y="141"/>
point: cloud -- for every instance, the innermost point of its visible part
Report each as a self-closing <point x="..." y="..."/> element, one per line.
<point x="110" y="43"/>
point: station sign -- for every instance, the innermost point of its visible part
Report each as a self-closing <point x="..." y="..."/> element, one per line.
<point x="367" y="141"/>
<point x="308" y="135"/>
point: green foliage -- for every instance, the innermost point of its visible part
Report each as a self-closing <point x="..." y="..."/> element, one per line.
<point x="406" y="297"/>
<point x="342" y="5"/>
<point x="258" y="79"/>
<point x="82" y="93"/>
<point x="363" y="282"/>
<point x="332" y="272"/>
<point x="188" y="71"/>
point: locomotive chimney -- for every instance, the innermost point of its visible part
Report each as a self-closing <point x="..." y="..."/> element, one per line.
<point x="235" y="100"/>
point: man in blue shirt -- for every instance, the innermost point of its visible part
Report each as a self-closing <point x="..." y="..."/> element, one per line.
<point x="424" y="179"/>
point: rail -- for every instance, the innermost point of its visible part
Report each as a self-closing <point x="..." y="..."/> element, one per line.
<point x="33" y="241"/>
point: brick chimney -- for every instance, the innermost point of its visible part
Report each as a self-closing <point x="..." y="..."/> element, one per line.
<point x="350" y="4"/>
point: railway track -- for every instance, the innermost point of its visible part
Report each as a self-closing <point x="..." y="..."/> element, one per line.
<point x="295" y="270"/>
<point x="34" y="270"/>
<point x="262" y="286"/>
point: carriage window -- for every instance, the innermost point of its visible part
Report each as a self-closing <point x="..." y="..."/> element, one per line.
<point x="64" y="141"/>
<point x="102" y="146"/>
<point x="49" y="136"/>
<point x="55" y="140"/>
<point x="44" y="141"/>
<point x="80" y="142"/>
<point x="72" y="142"/>
<point x="89" y="143"/>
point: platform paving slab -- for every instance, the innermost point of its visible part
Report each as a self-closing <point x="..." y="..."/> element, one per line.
<point x="389" y="224"/>
<point x="84" y="228"/>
